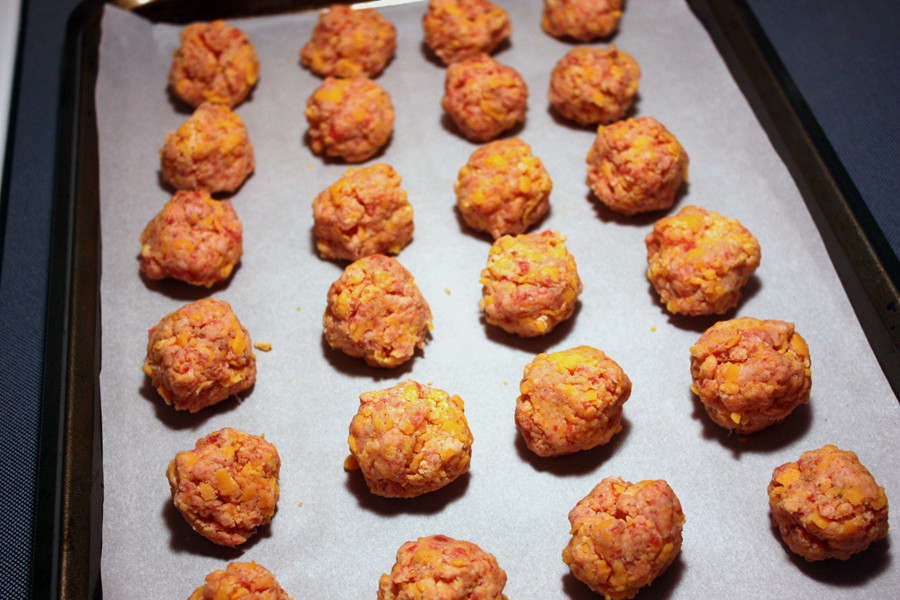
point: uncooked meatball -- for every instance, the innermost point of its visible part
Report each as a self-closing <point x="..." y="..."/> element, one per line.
<point x="350" y="119"/>
<point x="461" y="29"/>
<point x="438" y="567"/>
<point x="210" y="151"/>
<point x="200" y="355"/>
<point x="530" y="284"/>
<point x="594" y="85"/>
<point x="215" y="63"/>
<point x="365" y="212"/>
<point x="226" y="487"/>
<point x="750" y="373"/>
<point x="409" y="440"/>
<point x="827" y="505"/>
<point x="484" y="98"/>
<point x="699" y="261"/>
<point x="583" y="20"/>
<point x="376" y="312"/>
<point x="624" y="535"/>
<point x="240" y="581"/>
<point x="350" y="42"/>
<point x="504" y="189"/>
<point x="194" y="238"/>
<point x="571" y="400"/>
<point x="636" y="166"/>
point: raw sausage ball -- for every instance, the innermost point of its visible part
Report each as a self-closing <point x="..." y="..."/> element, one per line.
<point x="194" y="238"/>
<point x="750" y="373"/>
<point x="409" y="440"/>
<point x="827" y="504"/>
<point x="349" y="118"/>
<point x="240" y="581"/>
<point x="200" y="355"/>
<point x="461" y="29"/>
<point x="227" y="486"/>
<point x="484" y="98"/>
<point x="594" y="85"/>
<point x="441" y="568"/>
<point x="215" y="63"/>
<point x="571" y="400"/>
<point x="530" y="284"/>
<point x="210" y="151"/>
<point x="365" y="212"/>
<point x="349" y="43"/>
<point x="699" y="261"/>
<point x="583" y="20"/>
<point x="503" y="189"/>
<point x="636" y="166"/>
<point x="624" y="535"/>
<point x="376" y="312"/>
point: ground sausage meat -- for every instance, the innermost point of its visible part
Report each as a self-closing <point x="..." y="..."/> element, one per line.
<point x="530" y="283"/>
<point x="194" y="238"/>
<point x="484" y="98"/>
<point x="350" y="119"/>
<point x="594" y="85"/>
<point x="583" y="20"/>
<point x="441" y="568"/>
<point x="571" y="400"/>
<point x="215" y="63"/>
<point x="200" y="355"/>
<point x="750" y="373"/>
<point x="624" y="535"/>
<point x="227" y="486"/>
<point x="240" y="581"/>
<point x="503" y="189"/>
<point x="410" y="439"/>
<point x="827" y="504"/>
<point x="349" y="43"/>
<point x="210" y="151"/>
<point x="636" y="166"/>
<point x="376" y="312"/>
<point x="461" y="29"/>
<point x="699" y="260"/>
<point x="365" y="212"/>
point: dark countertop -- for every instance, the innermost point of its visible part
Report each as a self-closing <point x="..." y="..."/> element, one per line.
<point x="841" y="57"/>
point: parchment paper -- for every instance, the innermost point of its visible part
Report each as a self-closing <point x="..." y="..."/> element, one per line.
<point x="330" y="537"/>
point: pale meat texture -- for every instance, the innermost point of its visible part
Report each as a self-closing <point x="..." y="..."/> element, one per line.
<point x="409" y="440"/>
<point x="240" y="581"/>
<point x="194" y="239"/>
<point x="699" y="260"/>
<point x="594" y="85"/>
<point x="438" y="567"/>
<point x="210" y="151"/>
<point x="215" y="63"/>
<point x="226" y="487"/>
<point x="582" y="20"/>
<point x="365" y="212"/>
<point x="376" y="312"/>
<point x="827" y="505"/>
<point x="350" y="43"/>
<point x="530" y="284"/>
<point x="484" y="98"/>
<point x="350" y="119"/>
<point x="200" y="355"/>
<point x="624" y="535"/>
<point x="571" y="400"/>
<point x="461" y="29"/>
<point x="636" y="166"/>
<point x="503" y="189"/>
<point x="750" y="373"/>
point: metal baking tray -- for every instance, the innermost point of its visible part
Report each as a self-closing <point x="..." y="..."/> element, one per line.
<point x="67" y="561"/>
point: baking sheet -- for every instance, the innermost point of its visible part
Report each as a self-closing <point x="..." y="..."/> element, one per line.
<point x="330" y="537"/>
